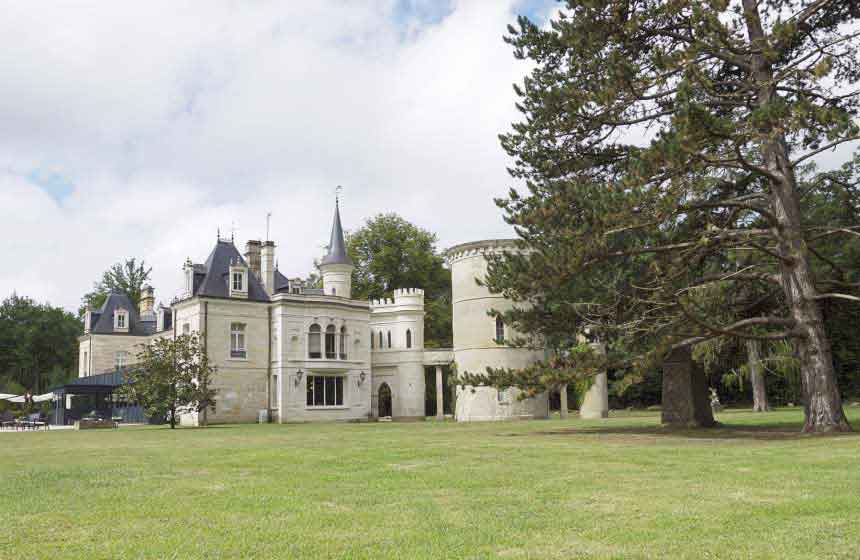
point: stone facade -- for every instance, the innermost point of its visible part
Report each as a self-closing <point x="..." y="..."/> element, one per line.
<point x="298" y="354"/>
<point x="98" y="352"/>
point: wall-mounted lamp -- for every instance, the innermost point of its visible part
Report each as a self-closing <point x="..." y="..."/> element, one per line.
<point x="299" y="375"/>
<point x="361" y="377"/>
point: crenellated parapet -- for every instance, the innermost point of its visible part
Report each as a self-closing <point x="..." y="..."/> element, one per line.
<point x="403" y="298"/>
<point x="479" y="249"/>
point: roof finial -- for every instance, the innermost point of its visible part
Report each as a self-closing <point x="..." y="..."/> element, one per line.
<point x="232" y="232"/>
<point x="337" y="195"/>
<point x="219" y="233"/>
<point x="268" y="220"/>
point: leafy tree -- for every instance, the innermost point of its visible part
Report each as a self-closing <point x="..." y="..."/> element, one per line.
<point x="127" y="278"/>
<point x="38" y="345"/>
<point x="171" y="374"/>
<point x="391" y="253"/>
<point x="660" y="145"/>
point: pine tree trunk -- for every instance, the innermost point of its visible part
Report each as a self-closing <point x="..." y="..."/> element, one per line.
<point x="172" y="418"/>
<point x="822" y="403"/>
<point x="759" y="387"/>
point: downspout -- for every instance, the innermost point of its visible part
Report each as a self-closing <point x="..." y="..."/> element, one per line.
<point x="206" y="349"/>
<point x="269" y="371"/>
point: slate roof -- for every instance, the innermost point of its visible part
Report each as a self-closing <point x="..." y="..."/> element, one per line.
<point x="336" y="247"/>
<point x="215" y="283"/>
<point x="102" y="320"/>
<point x="281" y="282"/>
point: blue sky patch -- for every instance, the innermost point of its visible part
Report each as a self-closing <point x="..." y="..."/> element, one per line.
<point x="56" y="185"/>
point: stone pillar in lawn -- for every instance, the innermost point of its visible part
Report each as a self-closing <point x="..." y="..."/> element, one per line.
<point x="596" y="402"/>
<point x="562" y="402"/>
<point x="685" y="400"/>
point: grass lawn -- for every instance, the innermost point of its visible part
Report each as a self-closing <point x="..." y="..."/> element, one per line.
<point x="618" y="488"/>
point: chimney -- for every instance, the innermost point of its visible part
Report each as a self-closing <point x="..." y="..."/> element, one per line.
<point x="267" y="266"/>
<point x="252" y="256"/>
<point x="147" y="299"/>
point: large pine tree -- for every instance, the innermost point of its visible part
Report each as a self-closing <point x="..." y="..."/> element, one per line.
<point x="660" y="145"/>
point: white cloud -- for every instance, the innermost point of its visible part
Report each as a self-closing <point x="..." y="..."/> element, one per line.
<point x="171" y="119"/>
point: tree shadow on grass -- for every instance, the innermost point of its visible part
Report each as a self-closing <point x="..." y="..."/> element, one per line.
<point x="774" y="430"/>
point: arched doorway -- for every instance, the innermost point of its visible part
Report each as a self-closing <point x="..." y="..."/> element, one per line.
<point x="384" y="400"/>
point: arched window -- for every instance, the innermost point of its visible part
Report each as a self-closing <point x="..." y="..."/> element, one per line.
<point x="314" y="343"/>
<point x="380" y="340"/>
<point x="408" y="338"/>
<point x="389" y="339"/>
<point x="500" y="330"/>
<point x="342" y="345"/>
<point x="330" y="333"/>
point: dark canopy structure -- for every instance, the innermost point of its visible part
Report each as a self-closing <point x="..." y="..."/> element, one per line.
<point x="97" y="393"/>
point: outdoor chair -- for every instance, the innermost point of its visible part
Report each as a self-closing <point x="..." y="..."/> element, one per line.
<point x="37" y="420"/>
<point x="7" y="420"/>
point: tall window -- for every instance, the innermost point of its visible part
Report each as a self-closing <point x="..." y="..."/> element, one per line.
<point x="314" y="342"/>
<point x="342" y="343"/>
<point x="121" y="360"/>
<point x="237" y="341"/>
<point x="238" y="282"/>
<point x="86" y="364"/>
<point x="324" y="390"/>
<point x="500" y="330"/>
<point x="389" y="339"/>
<point x="380" y="340"/>
<point x="371" y="340"/>
<point x="186" y="328"/>
<point x="408" y="338"/>
<point x="330" y="334"/>
<point x="121" y="320"/>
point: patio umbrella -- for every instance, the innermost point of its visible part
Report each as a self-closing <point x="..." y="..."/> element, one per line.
<point x="4" y="396"/>
<point x="42" y="398"/>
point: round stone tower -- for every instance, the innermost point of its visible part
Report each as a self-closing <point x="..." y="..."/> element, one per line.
<point x="477" y="336"/>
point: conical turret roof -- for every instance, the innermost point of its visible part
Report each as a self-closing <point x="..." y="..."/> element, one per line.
<point x="336" y="246"/>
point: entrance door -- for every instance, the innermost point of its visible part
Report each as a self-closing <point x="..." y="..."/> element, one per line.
<point x="384" y="400"/>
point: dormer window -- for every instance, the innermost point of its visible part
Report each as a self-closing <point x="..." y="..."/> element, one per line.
<point x="238" y="280"/>
<point x="120" y="320"/>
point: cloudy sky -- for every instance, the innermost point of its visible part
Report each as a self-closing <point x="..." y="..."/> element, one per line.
<point x="139" y="129"/>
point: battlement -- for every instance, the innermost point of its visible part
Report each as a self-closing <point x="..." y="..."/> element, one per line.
<point x="480" y="249"/>
<point x="408" y="297"/>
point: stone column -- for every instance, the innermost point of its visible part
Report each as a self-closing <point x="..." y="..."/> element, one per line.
<point x="685" y="394"/>
<point x="596" y="401"/>
<point x="440" y="396"/>
<point x="562" y="399"/>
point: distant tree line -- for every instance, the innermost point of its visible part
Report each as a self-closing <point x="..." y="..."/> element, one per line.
<point x="38" y="345"/>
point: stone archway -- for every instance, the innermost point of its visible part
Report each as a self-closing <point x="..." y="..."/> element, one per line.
<point x="385" y="401"/>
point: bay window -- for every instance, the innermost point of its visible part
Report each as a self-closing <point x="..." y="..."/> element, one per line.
<point x="324" y="390"/>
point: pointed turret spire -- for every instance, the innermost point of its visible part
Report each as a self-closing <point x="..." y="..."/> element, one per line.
<point x="336" y="247"/>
